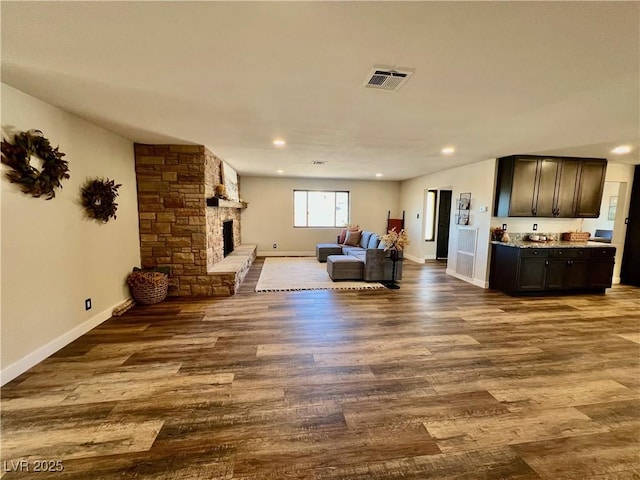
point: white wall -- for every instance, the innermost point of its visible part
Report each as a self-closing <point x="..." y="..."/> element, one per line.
<point x="477" y="179"/>
<point x="611" y="189"/>
<point x="53" y="258"/>
<point x="269" y="217"/>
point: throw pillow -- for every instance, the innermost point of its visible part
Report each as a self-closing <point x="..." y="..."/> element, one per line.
<point x="343" y="233"/>
<point x="353" y="238"/>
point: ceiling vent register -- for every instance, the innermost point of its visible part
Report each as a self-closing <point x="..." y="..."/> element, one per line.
<point x="384" y="79"/>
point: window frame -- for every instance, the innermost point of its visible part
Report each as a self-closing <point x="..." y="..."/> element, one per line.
<point x="430" y="215"/>
<point x="335" y="192"/>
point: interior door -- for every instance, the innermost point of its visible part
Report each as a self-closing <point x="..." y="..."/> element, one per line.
<point x="630" y="273"/>
<point x="444" y="221"/>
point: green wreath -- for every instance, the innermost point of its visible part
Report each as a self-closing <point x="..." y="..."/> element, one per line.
<point x="98" y="198"/>
<point x="31" y="180"/>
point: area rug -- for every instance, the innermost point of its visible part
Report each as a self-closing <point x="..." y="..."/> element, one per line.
<point x="281" y="274"/>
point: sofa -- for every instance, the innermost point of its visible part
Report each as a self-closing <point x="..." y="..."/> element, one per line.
<point x="367" y="260"/>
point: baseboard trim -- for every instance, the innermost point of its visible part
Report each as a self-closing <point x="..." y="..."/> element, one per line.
<point x="268" y="253"/>
<point x="615" y="280"/>
<point x="413" y="259"/>
<point x="25" y="363"/>
<point x="473" y="281"/>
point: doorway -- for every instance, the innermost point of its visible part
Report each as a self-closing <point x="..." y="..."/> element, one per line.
<point x="630" y="273"/>
<point x="444" y="220"/>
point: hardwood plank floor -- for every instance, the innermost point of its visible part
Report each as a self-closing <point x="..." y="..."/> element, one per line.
<point x="439" y="380"/>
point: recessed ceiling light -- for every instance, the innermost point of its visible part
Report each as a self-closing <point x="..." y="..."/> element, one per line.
<point x="379" y="175"/>
<point x="280" y="171"/>
<point x="622" y="149"/>
<point x="448" y="150"/>
<point x="278" y="142"/>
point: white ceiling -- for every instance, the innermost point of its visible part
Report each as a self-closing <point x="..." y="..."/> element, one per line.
<point x="491" y="78"/>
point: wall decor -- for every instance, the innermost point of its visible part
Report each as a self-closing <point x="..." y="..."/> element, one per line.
<point x="613" y="205"/>
<point x="462" y="218"/>
<point x="464" y="205"/>
<point x="31" y="180"/>
<point x="230" y="180"/>
<point x="98" y="198"/>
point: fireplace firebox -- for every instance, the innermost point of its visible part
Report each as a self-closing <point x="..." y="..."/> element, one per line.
<point x="227" y="236"/>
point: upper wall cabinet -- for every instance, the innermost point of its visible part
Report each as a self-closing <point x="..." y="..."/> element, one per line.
<point x="562" y="187"/>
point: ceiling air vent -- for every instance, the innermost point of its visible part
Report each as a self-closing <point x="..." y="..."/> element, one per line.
<point x="387" y="79"/>
<point x="319" y="162"/>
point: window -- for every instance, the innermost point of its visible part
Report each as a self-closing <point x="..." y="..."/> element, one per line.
<point x="430" y="216"/>
<point x="313" y="208"/>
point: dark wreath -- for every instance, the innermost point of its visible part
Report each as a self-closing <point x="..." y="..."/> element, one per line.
<point x="31" y="180"/>
<point x="98" y="198"/>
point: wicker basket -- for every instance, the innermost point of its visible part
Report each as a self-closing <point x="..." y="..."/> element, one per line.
<point x="576" y="236"/>
<point x="148" y="287"/>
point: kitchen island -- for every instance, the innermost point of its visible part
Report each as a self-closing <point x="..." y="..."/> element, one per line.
<point x="526" y="267"/>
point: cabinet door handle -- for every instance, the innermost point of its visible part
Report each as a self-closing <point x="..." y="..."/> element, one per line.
<point x="533" y="210"/>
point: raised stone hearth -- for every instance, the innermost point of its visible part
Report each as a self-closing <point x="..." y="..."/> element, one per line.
<point x="177" y="228"/>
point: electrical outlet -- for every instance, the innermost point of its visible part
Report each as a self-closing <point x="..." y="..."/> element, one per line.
<point x="87" y="304"/>
<point x="504" y="227"/>
<point x="535" y="227"/>
<point x="275" y="245"/>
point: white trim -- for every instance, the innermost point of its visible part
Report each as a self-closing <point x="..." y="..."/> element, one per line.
<point x="413" y="259"/>
<point x="431" y="256"/>
<point x="270" y="253"/>
<point x="473" y="281"/>
<point x="615" y="280"/>
<point x="25" y="363"/>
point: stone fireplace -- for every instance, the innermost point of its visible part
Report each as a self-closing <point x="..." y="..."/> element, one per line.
<point x="177" y="228"/>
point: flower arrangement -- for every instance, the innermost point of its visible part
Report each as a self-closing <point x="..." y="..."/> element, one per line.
<point x="394" y="240"/>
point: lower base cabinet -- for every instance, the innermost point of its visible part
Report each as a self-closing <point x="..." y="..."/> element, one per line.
<point x="538" y="270"/>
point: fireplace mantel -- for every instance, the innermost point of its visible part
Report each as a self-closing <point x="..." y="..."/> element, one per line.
<point x="221" y="202"/>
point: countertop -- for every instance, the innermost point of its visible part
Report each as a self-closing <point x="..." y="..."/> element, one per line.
<point x="556" y="244"/>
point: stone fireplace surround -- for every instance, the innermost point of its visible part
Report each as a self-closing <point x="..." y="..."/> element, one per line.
<point x="177" y="229"/>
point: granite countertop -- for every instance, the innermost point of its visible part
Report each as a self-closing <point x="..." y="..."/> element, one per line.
<point x="555" y="244"/>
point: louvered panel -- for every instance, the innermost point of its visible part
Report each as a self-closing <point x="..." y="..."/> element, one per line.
<point x="466" y="251"/>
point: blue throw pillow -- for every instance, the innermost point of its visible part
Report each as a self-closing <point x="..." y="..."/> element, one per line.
<point x="364" y="241"/>
<point x="373" y="241"/>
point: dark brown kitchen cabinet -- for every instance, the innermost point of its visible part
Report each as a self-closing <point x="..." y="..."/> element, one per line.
<point x="567" y="269"/>
<point x="522" y="190"/>
<point x="601" y="267"/>
<point x="535" y="186"/>
<point x="546" y="270"/>
<point x="590" y="189"/>
<point x="569" y="177"/>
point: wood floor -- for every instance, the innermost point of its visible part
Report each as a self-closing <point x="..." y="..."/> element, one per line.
<point x="437" y="380"/>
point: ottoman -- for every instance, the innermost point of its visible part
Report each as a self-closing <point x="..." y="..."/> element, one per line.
<point x="344" y="267"/>
<point x="323" y="250"/>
